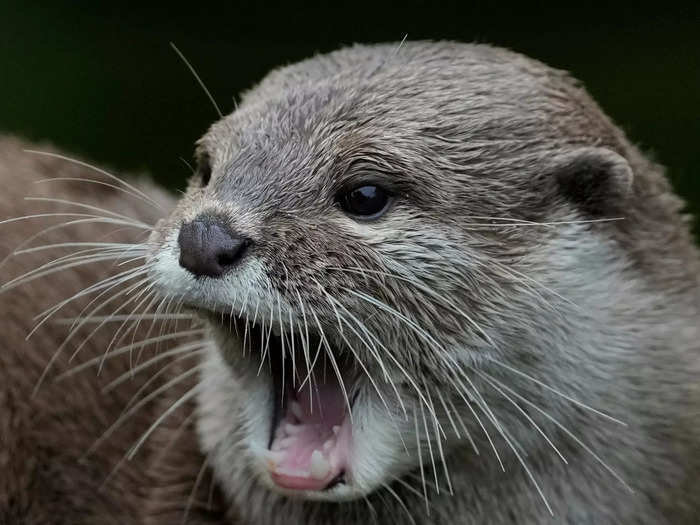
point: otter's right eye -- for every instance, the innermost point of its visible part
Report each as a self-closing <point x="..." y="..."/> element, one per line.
<point x="204" y="169"/>
<point x="365" y="202"/>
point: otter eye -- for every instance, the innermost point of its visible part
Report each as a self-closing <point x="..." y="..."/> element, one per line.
<point x="204" y="169"/>
<point x="365" y="202"/>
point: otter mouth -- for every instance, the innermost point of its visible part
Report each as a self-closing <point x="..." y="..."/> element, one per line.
<point x="310" y="440"/>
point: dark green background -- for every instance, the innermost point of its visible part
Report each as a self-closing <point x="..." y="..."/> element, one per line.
<point x="99" y="79"/>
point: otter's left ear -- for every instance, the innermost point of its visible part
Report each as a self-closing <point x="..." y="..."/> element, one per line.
<point x="597" y="180"/>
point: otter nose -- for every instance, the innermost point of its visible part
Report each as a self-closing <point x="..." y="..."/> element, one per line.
<point x="209" y="248"/>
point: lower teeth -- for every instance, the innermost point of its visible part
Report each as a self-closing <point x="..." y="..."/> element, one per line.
<point x="320" y="467"/>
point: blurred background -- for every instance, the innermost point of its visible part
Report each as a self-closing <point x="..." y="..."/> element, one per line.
<point x="100" y="81"/>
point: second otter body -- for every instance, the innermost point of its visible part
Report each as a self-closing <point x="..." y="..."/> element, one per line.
<point x="440" y="286"/>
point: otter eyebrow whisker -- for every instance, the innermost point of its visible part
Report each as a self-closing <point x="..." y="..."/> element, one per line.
<point x="198" y="79"/>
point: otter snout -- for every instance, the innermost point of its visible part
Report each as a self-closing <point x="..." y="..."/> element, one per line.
<point x="208" y="247"/>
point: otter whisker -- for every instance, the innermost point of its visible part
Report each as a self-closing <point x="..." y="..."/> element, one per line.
<point x="305" y="346"/>
<point x="132" y="452"/>
<point x="438" y="440"/>
<point x="293" y="353"/>
<point x="120" y="318"/>
<point x="44" y="215"/>
<point x="265" y="352"/>
<point x="564" y="429"/>
<point x="194" y="348"/>
<point x="91" y="207"/>
<point x="106" y="285"/>
<point x="184" y="398"/>
<point x="146" y="286"/>
<point x="55" y="266"/>
<point x="138" y="405"/>
<point x="329" y="353"/>
<point x="448" y="413"/>
<point x="420" y="461"/>
<point x="98" y="170"/>
<point x="91" y="219"/>
<point x="95" y="245"/>
<point x="368" y="374"/>
<point x="255" y="314"/>
<point x="59" y="350"/>
<point x="442" y="354"/>
<point x="462" y="424"/>
<point x="401" y="503"/>
<point x="517" y="454"/>
<point x="141" y="196"/>
<point x="414" y="281"/>
<point x="139" y="319"/>
<point x="193" y="492"/>
<point x="162" y="453"/>
<point x="372" y="349"/>
<point x="557" y="392"/>
<point x="123" y="292"/>
<point x="429" y="441"/>
<point x="154" y="377"/>
<point x="521" y="411"/>
<point x="145" y="291"/>
<point x="282" y="338"/>
<point x="120" y="351"/>
<point x="439" y="351"/>
<point x="420" y="331"/>
<point x="198" y="79"/>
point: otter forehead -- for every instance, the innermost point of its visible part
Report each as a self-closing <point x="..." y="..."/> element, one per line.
<point x="411" y="113"/>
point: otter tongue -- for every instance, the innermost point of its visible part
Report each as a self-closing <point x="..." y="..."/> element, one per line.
<point x="311" y="444"/>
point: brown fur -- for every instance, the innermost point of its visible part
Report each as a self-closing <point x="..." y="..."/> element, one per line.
<point x="43" y="438"/>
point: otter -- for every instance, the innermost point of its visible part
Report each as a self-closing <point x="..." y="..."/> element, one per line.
<point x="429" y="283"/>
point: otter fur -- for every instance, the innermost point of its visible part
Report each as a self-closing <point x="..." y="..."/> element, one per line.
<point x="514" y="334"/>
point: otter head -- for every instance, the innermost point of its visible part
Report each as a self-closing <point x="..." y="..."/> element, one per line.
<point x="363" y="234"/>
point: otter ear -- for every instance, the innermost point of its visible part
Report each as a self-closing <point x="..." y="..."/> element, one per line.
<point x="597" y="180"/>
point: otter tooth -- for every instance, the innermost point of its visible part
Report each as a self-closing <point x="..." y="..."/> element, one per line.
<point x="291" y="429"/>
<point x="320" y="467"/>
<point x="296" y="410"/>
<point x="336" y="429"/>
<point x="328" y="444"/>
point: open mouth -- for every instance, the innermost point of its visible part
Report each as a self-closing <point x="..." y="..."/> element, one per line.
<point x="310" y="442"/>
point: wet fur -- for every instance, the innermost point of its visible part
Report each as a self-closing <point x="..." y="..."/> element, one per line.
<point x="478" y="142"/>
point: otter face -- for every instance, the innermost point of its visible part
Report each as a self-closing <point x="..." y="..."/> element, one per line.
<point x="350" y="237"/>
